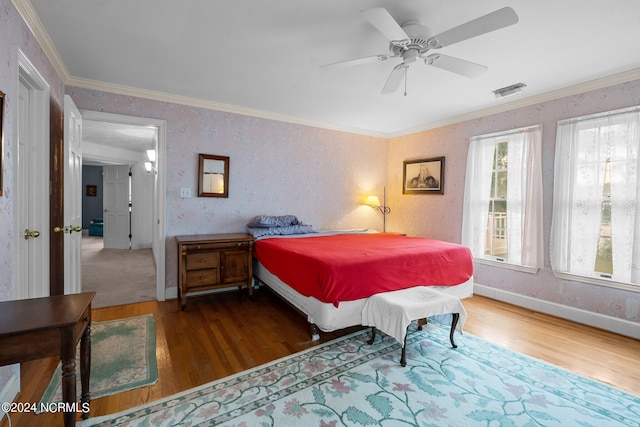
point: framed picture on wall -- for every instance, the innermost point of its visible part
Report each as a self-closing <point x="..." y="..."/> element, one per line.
<point x="92" y="191"/>
<point x="423" y="176"/>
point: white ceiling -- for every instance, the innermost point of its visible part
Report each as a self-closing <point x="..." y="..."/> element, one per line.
<point x="130" y="137"/>
<point x="262" y="58"/>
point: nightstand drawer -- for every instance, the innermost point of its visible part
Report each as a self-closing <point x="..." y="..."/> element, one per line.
<point x="198" y="278"/>
<point x="218" y="246"/>
<point x="202" y="260"/>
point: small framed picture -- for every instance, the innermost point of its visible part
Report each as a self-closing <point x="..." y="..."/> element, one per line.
<point x="92" y="190"/>
<point x="423" y="176"/>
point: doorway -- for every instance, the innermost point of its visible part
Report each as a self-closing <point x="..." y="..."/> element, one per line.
<point x="104" y="148"/>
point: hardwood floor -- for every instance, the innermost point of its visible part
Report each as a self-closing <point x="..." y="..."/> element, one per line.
<point x="219" y="335"/>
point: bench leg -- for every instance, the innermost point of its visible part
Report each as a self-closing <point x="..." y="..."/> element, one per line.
<point x="403" y="357"/>
<point x="315" y="332"/>
<point x="373" y="335"/>
<point x="421" y="323"/>
<point x="454" y="323"/>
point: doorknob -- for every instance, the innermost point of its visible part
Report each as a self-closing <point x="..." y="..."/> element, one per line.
<point x="70" y="229"/>
<point x="28" y="233"/>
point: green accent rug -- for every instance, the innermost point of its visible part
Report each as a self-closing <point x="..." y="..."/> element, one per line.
<point x="349" y="383"/>
<point x="123" y="357"/>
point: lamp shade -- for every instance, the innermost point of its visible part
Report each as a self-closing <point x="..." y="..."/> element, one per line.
<point x="372" y="201"/>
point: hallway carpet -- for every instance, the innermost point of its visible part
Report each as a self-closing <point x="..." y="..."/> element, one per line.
<point x="118" y="276"/>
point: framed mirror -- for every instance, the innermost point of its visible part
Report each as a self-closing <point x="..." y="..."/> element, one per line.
<point x="213" y="176"/>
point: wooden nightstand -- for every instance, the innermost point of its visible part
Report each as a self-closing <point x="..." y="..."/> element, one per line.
<point x="214" y="261"/>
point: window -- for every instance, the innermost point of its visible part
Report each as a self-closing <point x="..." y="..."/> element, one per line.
<point x="595" y="230"/>
<point x="496" y="245"/>
<point x="502" y="217"/>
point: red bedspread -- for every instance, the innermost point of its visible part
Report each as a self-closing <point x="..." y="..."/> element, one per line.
<point x="346" y="267"/>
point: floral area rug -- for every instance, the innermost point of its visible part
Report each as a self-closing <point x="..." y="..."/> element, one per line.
<point x="123" y="357"/>
<point x="349" y="383"/>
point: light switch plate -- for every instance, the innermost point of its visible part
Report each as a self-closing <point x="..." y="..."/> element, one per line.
<point x="185" y="192"/>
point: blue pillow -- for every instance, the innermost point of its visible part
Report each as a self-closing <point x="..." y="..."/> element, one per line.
<point x="262" y="221"/>
<point x="257" y="232"/>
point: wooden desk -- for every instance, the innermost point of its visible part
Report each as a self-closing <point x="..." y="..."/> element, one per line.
<point x="43" y="327"/>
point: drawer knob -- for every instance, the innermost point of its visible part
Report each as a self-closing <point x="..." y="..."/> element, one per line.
<point x="201" y="277"/>
<point x="201" y="259"/>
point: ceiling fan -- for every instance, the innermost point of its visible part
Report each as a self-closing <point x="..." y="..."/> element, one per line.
<point x="412" y="41"/>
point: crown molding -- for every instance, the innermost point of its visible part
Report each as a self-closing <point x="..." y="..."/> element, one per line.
<point x="526" y="102"/>
<point x="211" y="105"/>
<point x="31" y="19"/>
<point x="25" y="9"/>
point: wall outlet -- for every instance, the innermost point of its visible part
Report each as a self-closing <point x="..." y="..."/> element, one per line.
<point x="185" y="192"/>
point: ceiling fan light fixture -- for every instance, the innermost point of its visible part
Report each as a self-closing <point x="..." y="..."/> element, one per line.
<point x="412" y="41"/>
<point x="509" y="90"/>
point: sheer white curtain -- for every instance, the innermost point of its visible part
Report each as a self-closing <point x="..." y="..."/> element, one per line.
<point x="516" y="191"/>
<point x="577" y="203"/>
<point x="624" y="143"/>
<point x="524" y="195"/>
<point x="532" y="228"/>
<point x="477" y="192"/>
<point x="582" y="148"/>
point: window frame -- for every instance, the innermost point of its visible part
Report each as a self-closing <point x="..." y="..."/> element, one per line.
<point x="598" y="278"/>
<point x="472" y="228"/>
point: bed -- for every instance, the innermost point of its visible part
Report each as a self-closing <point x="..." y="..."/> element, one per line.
<point x="329" y="276"/>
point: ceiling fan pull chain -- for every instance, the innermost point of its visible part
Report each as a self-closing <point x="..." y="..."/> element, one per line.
<point x="405" y="81"/>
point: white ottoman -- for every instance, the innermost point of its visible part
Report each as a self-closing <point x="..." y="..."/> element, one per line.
<point x="392" y="312"/>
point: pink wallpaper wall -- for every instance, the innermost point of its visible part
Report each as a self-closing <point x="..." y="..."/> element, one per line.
<point x="14" y="35"/>
<point x="276" y="168"/>
<point x="441" y="216"/>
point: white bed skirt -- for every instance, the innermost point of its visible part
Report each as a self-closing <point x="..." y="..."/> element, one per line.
<point x="326" y="316"/>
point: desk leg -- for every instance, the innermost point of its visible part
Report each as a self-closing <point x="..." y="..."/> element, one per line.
<point x="85" y="368"/>
<point x="68" y="359"/>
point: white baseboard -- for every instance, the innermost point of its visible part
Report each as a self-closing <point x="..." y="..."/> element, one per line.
<point x="11" y="389"/>
<point x="601" y="321"/>
<point x="171" y="293"/>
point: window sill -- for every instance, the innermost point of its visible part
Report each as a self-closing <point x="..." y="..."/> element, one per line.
<point x="504" y="264"/>
<point x="609" y="283"/>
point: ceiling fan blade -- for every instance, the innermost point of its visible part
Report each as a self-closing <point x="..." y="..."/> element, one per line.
<point x="455" y="65"/>
<point x="485" y="24"/>
<point x="357" y="61"/>
<point x="395" y="79"/>
<point x="380" y="18"/>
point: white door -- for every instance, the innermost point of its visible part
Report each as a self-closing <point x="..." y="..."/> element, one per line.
<point x="115" y="181"/>
<point x="31" y="211"/>
<point x="72" y="197"/>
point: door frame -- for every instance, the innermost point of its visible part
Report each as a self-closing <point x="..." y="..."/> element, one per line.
<point x="39" y="117"/>
<point x="159" y="209"/>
